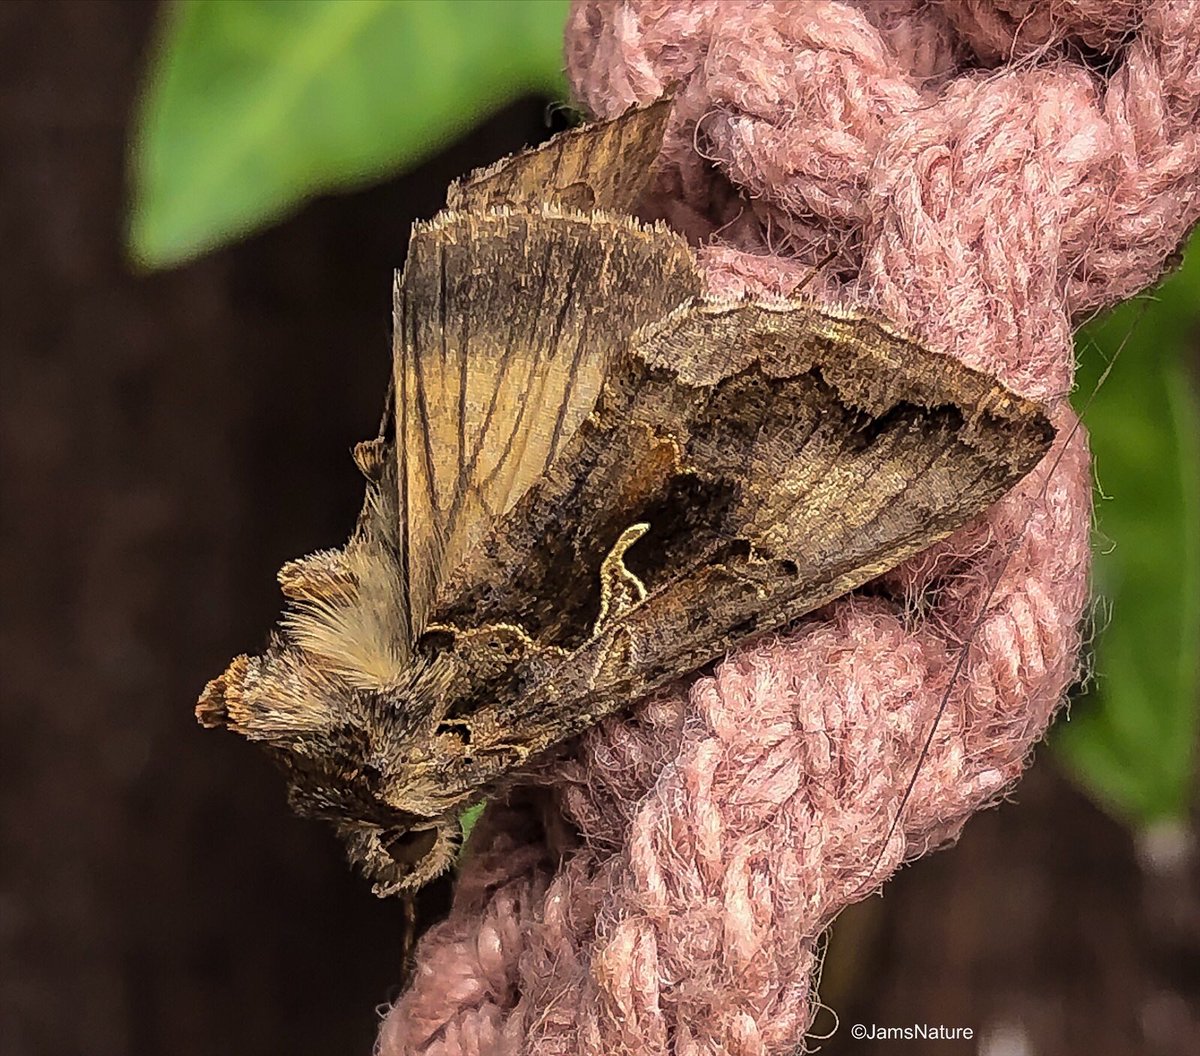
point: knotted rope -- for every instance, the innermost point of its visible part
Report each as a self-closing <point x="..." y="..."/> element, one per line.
<point x="984" y="173"/>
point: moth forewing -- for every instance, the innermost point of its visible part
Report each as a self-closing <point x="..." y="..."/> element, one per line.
<point x="780" y="455"/>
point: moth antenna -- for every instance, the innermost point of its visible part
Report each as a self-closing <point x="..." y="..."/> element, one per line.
<point x="387" y="419"/>
<point x="985" y="609"/>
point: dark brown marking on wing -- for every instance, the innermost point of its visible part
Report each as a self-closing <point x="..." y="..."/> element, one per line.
<point x="507" y="447"/>
<point x="560" y="320"/>
<point x="560" y="419"/>
<point x="426" y="438"/>
<point x="481" y="441"/>
<point x="406" y="320"/>
<point x="441" y="305"/>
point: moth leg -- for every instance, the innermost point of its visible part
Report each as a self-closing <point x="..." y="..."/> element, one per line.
<point x="620" y="589"/>
<point x="408" y="942"/>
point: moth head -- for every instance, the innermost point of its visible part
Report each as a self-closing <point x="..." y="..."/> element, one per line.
<point x="341" y="751"/>
<point x="400" y="860"/>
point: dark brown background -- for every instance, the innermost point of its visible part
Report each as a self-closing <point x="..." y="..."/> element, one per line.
<point x="168" y="441"/>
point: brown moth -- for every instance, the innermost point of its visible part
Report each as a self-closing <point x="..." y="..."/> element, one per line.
<point x="592" y="480"/>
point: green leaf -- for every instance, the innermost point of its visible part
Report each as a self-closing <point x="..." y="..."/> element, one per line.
<point x="253" y="106"/>
<point x="1131" y="740"/>
<point x="467" y="820"/>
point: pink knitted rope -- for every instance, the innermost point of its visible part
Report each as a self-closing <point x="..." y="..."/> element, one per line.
<point x="985" y="173"/>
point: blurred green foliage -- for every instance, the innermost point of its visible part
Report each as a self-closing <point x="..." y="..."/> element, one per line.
<point x="252" y="106"/>
<point x="1131" y="740"/>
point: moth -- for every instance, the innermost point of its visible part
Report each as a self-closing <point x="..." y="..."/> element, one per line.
<point x="592" y="479"/>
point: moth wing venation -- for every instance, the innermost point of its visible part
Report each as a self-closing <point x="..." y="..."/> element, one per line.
<point x="505" y="324"/>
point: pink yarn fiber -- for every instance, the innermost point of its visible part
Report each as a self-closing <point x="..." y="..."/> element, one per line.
<point x="985" y="173"/>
